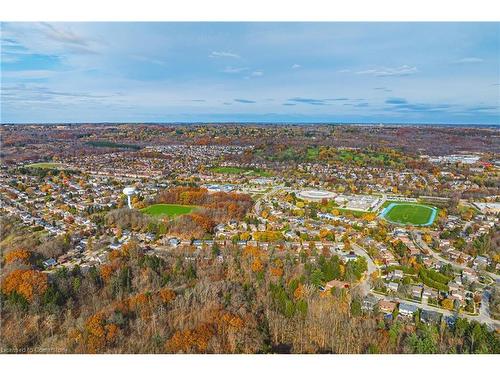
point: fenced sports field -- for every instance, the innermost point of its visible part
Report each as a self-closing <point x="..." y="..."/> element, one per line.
<point x="409" y="214"/>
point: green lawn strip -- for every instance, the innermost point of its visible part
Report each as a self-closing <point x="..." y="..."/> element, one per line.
<point x="388" y="202"/>
<point x="355" y="213"/>
<point x="172" y="210"/>
<point x="239" y="170"/>
<point x="45" y="165"/>
<point x="113" y="145"/>
<point x="406" y="270"/>
<point x="434" y="279"/>
<point x="312" y="153"/>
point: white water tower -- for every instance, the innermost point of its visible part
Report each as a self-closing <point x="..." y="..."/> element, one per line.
<point x="129" y="191"/>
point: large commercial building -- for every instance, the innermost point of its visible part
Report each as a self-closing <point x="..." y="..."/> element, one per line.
<point x="315" y="195"/>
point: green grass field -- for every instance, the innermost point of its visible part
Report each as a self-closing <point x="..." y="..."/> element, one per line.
<point x="312" y="153"/>
<point x="171" y="210"/>
<point x="45" y="165"/>
<point x="409" y="214"/>
<point x="113" y="145"/>
<point x="238" y="170"/>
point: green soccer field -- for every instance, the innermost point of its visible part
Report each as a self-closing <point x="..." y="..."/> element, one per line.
<point x="241" y="171"/>
<point x="409" y="214"/>
<point x="171" y="210"/>
<point x="45" y="165"/>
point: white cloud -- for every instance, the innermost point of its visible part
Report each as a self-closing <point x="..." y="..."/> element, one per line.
<point x="148" y="60"/>
<point x="469" y="60"/>
<point x="9" y="58"/>
<point x="402" y="70"/>
<point x="28" y="74"/>
<point x="232" y="70"/>
<point x="257" y="73"/>
<point x="62" y="35"/>
<point x="296" y="66"/>
<point x="224" y="54"/>
<point x="45" y="38"/>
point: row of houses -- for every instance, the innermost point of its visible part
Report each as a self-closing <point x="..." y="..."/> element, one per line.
<point x="405" y="310"/>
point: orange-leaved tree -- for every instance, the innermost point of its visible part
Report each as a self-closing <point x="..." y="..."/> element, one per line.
<point x="28" y="283"/>
<point x="17" y="255"/>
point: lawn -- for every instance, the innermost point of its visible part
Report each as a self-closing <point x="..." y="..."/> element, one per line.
<point x="312" y="153"/>
<point x="45" y="165"/>
<point x="409" y="214"/>
<point x="238" y="170"/>
<point x="113" y="145"/>
<point x="171" y="210"/>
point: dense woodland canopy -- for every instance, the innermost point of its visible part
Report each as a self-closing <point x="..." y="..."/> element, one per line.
<point x="226" y="301"/>
<point x="218" y="207"/>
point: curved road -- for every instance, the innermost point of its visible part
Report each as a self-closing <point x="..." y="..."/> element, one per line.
<point x="372" y="267"/>
<point x="421" y="243"/>
<point x="484" y="312"/>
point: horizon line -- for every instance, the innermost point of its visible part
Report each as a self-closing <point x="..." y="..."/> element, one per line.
<point x="332" y="123"/>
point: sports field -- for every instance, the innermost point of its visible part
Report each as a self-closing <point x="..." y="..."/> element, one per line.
<point x="238" y="170"/>
<point x="45" y="165"/>
<point x="409" y="214"/>
<point x="171" y="210"/>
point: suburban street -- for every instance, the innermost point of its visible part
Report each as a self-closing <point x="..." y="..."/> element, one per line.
<point x="484" y="312"/>
<point x="421" y="243"/>
<point x="372" y="267"/>
<point x="483" y="317"/>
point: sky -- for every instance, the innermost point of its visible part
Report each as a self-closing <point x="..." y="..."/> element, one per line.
<point x="251" y="72"/>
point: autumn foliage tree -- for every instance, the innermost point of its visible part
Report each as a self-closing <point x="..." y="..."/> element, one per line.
<point x="220" y="325"/>
<point x="218" y="206"/>
<point x="98" y="333"/>
<point x="191" y="340"/>
<point x="20" y="255"/>
<point x="27" y="283"/>
<point x="167" y="295"/>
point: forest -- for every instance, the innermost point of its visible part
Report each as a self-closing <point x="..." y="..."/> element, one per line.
<point x="226" y="300"/>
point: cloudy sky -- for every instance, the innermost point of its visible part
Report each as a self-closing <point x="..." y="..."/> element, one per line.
<point x="290" y="72"/>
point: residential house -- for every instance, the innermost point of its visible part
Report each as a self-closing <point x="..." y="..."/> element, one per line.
<point x="336" y="284"/>
<point x="406" y="309"/>
<point x="386" y="306"/>
<point x="369" y="302"/>
<point x="470" y="275"/>
<point x="392" y="286"/>
<point x="396" y="275"/>
<point x="51" y="262"/>
<point x="458" y="295"/>
<point x="480" y="262"/>
<point x="429" y="293"/>
<point x="174" y="242"/>
<point x="349" y="257"/>
<point x="430" y="317"/>
<point x="416" y="291"/>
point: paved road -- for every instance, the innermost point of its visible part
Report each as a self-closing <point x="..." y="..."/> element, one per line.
<point x="484" y="312"/>
<point x="256" y="207"/>
<point x="384" y="198"/>
<point x="421" y="243"/>
<point x="483" y="317"/>
<point x="372" y="267"/>
<point x="358" y="250"/>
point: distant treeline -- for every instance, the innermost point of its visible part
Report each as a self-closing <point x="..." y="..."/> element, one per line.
<point x="113" y="145"/>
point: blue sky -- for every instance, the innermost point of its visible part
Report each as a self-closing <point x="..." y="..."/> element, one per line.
<point x="269" y="72"/>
